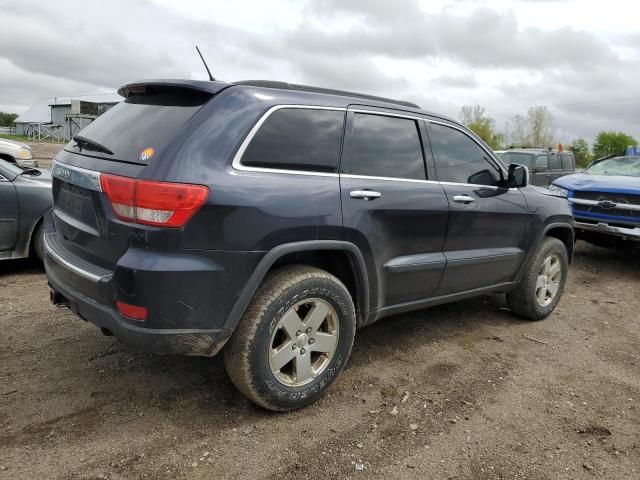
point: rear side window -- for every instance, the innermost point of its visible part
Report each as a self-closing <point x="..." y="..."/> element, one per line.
<point x="459" y="159"/>
<point x="386" y="147"/>
<point x="554" y="162"/>
<point x="567" y="162"/>
<point x="298" y="139"/>
<point x="145" y="120"/>
<point x="542" y="162"/>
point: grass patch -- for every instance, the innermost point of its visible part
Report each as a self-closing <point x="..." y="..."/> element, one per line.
<point x="17" y="138"/>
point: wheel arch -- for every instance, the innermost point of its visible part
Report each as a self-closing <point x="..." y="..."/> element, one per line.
<point x="324" y="254"/>
<point x="563" y="231"/>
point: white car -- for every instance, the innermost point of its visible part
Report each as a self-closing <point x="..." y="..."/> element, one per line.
<point x="16" y="152"/>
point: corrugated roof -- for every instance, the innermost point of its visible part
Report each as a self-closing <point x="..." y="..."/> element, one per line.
<point x="40" y="112"/>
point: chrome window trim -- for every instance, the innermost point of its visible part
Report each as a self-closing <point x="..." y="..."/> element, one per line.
<point x="79" y="176"/>
<point x="395" y="179"/>
<point x="387" y="114"/>
<point x="237" y="159"/>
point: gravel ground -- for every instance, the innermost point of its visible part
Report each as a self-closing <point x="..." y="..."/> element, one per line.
<point x="461" y="391"/>
<point x="44" y="152"/>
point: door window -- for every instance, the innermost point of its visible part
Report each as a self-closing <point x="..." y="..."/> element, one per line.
<point x="298" y="139"/>
<point x="460" y="159"/>
<point x="386" y="147"/>
<point x="554" y="162"/>
<point x="542" y="163"/>
<point x="567" y="162"/>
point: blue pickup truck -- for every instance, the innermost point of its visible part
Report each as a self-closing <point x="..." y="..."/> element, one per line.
<point x="605" y="199"/>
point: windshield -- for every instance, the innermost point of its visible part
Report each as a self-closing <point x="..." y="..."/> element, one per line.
<point x="625" y="166"/>
<point x="520" y="158"/>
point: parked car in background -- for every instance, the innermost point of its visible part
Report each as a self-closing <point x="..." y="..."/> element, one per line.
<point x="25" y="196"/>
<point x="17" y="152"/>
<point x="605" y="200"/>
<point x="274" y="219"/>
<point x="544" y="165"/>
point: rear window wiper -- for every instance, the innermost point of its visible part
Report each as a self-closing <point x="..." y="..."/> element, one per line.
<point x="91" y="145"/>
<point x="31" y="171"/>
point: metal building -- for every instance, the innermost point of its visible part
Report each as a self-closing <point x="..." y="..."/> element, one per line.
<point x="59" y="119"/>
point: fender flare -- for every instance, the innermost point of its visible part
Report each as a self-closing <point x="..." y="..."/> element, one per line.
<point x="270" y="258"/>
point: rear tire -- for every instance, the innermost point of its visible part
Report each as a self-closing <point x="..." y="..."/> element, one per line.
<point x="542" y="285"/>
<point x="293" y="340"/>
<point x="37" y="241"/>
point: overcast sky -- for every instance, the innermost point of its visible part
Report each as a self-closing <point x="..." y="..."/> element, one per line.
<point x="581" y="58"/>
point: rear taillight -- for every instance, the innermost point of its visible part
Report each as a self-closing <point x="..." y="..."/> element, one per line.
<point x="161" y="204"/>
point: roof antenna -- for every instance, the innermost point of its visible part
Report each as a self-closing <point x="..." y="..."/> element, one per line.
<point x="205" y="65"/>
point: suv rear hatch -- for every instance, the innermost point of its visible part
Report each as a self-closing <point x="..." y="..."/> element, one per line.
<point x="94" y="184"/>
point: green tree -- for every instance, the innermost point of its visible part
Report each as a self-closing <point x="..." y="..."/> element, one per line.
<point x="541" y="131"/>
<point x="580" y="149"/>
<point x="6" y="119"/>
<point x="483" y="126"/>
<point x="612" y="143"/>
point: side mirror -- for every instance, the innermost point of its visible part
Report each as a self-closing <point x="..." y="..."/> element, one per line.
<point x="540" y="169"/>
<point x="518" y="176"/>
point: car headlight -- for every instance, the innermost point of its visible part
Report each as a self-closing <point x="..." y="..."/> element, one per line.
<point x="24" y="154"/>
<point x="556" y="190"/>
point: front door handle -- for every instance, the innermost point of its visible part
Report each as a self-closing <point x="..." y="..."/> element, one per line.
<point x="463" y="199"/>
<point x="365" y="194"/>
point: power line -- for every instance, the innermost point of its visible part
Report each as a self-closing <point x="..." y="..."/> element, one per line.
<point x="566" y="104"/>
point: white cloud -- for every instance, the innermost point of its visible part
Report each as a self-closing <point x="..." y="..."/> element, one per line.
<point x="505" y="55"/>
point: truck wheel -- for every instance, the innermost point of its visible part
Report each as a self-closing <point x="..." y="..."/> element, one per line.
<point x="543" y="283"/>
<point x="293" y="340"/>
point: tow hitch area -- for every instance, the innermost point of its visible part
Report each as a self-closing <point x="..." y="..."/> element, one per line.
<point x="58" y="299"/>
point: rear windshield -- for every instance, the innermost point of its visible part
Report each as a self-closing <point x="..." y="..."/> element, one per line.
<point x="138" y="128"/>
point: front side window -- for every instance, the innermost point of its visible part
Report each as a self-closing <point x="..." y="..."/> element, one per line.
<point x="298" y="139"/>
<point x="386" y="147"/>
<point x="459" y="159"/>
<point x="542" y="163"/>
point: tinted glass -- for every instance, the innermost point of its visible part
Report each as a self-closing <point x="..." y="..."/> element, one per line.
<point x="526" y="159"/>
<point x="542" y="161"/>
<point x="460" y="159"/>
<point x="567" y="162"/>
<point x="554" y="162"/>
<point x="146" y="120"/>
<point x="298" y="139"/>
<point x="386" y="147"/>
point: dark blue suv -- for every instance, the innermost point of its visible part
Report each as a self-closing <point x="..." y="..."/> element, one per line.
<point x="274" y="219"/>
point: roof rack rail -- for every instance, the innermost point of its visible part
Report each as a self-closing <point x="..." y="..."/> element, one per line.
<point x="329" y="91"/>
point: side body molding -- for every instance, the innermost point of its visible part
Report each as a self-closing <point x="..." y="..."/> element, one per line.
<point x="362" y="279"/>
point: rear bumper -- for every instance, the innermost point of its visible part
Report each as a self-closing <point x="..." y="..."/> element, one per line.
<point x="189" y="295"/>
<point x="198" y="342"/>
<point x="629" y="233"/>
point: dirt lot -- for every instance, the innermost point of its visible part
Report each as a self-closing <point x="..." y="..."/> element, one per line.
<point x="478" y="395"/>
<point x="44" y="152"/>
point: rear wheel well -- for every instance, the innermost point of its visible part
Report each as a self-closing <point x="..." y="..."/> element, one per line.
<point x="337" y="262"/>
<point x="565" y="235"/>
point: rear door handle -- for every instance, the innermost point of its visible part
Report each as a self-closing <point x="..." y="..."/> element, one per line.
<point x="463" y="199"/>
<point x="365" y="194"/>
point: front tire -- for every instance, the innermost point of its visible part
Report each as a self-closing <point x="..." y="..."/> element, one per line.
<point x="543" y="282"/>
<point x="293" y="340"/>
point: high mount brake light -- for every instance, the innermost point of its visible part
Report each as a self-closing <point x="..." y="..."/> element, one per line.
<point x="161" y="204"/>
